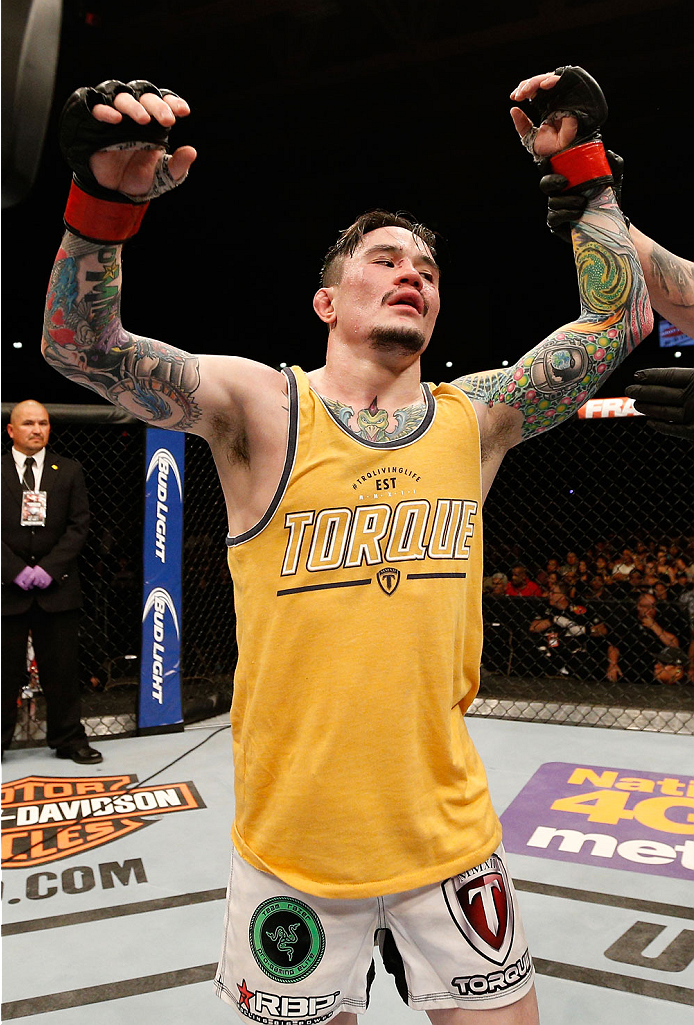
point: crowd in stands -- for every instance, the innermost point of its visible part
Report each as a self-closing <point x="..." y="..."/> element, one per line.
<point x="604" y="614"/>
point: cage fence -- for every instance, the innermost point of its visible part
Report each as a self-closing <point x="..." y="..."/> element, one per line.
<point x="588" y="597"/>
<point x="588" y="600"/>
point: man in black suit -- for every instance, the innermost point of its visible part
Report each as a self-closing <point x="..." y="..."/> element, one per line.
<point x="45" y="519"/>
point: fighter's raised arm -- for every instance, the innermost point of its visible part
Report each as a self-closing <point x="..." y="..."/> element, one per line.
<point x="548" y="384"/>
<point x="114" y="138"/>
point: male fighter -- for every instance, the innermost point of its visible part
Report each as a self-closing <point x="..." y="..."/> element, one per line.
<point x="354" y="495"/>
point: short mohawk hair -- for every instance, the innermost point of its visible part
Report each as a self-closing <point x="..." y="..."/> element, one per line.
<point x="349" y="239"/>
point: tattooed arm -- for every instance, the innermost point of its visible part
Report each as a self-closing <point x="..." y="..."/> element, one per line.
<point x="84" y="339"/>
<point x="548" y="384"/>
<point x="670" y="281"/>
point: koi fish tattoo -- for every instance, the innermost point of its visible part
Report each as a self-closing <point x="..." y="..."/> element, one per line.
<point x="84" y="339"/>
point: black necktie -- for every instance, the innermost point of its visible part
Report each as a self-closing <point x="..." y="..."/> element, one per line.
<point x="29" y="474"/>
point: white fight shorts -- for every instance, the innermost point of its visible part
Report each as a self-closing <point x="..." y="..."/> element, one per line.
<point x="290" y="958"/>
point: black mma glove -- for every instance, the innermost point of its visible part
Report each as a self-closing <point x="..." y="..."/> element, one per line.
<point x="666" y="396"/>
<point x="583" y="164"/>
<point x="90" y="212"/>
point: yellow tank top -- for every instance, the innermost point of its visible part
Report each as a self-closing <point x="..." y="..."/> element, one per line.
<point x="359" y="622"/>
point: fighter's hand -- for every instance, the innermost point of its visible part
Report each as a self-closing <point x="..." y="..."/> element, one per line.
<point x="114" y="136"/>
<point x="132" y="171"/>
<point x="552" y="135"/>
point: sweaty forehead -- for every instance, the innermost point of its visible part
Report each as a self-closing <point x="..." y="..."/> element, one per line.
<point x="400" y="238"/>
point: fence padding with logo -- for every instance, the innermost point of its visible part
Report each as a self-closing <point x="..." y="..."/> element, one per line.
<point x="160" y="668"/>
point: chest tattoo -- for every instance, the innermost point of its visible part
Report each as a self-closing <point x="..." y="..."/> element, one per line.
<point x="372" y="423"/>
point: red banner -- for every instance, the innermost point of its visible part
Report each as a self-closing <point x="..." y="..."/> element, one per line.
<point x="599" y="409"/>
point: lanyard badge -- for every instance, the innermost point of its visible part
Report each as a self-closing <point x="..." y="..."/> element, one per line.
<point x="34" y="507"/>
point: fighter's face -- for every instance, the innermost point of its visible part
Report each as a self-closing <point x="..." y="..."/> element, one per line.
<point x="388" y="292"/>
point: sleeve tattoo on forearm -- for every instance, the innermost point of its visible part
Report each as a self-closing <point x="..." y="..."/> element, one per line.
<point x="674" y="276"/>
<point x="85" y="340"/>
<point x="550" y="383"/>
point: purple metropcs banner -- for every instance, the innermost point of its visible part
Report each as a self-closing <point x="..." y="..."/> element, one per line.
<point x="160" y="666"/>
<point x="598" y="815"/>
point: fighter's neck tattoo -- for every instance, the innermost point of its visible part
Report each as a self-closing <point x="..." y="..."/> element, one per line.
<point x="372" y="423"/>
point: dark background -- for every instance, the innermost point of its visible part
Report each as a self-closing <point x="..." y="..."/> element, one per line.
<point x="306" y="113"/>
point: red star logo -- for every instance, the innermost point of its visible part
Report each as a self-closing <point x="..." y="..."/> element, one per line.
<point x="245" y="995"/>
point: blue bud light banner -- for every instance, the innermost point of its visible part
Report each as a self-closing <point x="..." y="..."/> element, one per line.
<point x="160" y="666"/>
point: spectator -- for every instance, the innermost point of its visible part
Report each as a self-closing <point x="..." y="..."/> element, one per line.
<point x="520" y="585"/>
<point x="583" y="577"/>
<point x="670" y="666"/>
<point x="664" y="569"/>
<point x="597" y="587"/>
<point x="624" y="565"/>
<point x="499" y="583"/>
<point x="602" y="565"/>
<point x="571" y="564"/>
<point x="45" y="519"/>
<point x="613" y="585"/>
<point x="680" y="586"/>
<point x="638" y="640"/>
<point x="650" y="579"/>
<point x="635" y="581"/>
<point x="571" y="638"/>
<point x="552" y="579"/>
<point x="570" y="578"/>
<point x="551" y="566"/>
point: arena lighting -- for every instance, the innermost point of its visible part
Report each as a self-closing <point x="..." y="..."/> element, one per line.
<point x="282" y="366"/>
<point x="677" y="354"/>
<point x="449" y="364"/>
<point x="504" y="362"/>
<point x="16" y="345"/>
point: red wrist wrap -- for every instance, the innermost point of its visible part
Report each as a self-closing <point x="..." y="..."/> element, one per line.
<point x="582" y="164"/>
<point x="100" y="220"/>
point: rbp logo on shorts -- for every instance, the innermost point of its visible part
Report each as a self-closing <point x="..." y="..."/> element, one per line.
<point x="480" y="904"/>
<point x="287" y="939"/>
<point x="297" y="1010"/>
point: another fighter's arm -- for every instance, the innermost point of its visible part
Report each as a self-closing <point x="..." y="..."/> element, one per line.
<point x="669" y="279"/>
<point x="547" y="385"/>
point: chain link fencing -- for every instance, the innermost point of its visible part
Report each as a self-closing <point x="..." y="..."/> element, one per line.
<point x="591" y="523"/>
<point x="209" y="649"/>
<point x="589" y="579"/>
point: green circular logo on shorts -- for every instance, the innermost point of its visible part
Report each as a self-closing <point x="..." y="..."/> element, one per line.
<point x="286" y="938"/>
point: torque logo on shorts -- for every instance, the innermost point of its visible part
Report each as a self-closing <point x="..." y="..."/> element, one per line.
<point x="513" y="976"/>
<point x="480" y="905"/>
<point x="287" y="939"/>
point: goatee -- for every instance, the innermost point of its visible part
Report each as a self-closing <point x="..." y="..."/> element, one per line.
<point x="399" y="340"/>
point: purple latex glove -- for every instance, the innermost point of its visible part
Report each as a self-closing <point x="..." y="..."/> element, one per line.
<point x="25" y="579"/>
<point x="41" y="578"/>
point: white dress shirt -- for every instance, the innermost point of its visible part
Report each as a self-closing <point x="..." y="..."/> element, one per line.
<point x="39" y="460"/>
